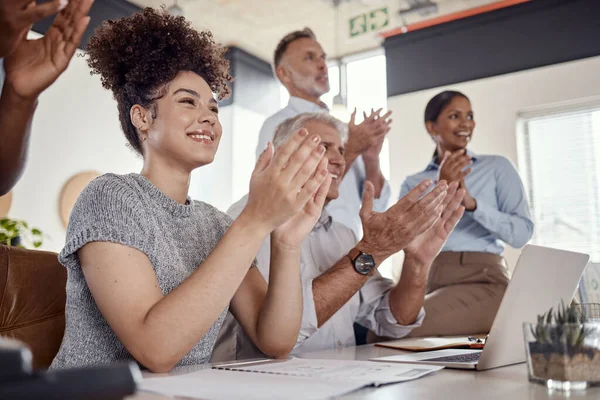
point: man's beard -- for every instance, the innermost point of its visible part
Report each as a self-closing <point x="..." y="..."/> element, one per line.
<point x="308" y="84"/>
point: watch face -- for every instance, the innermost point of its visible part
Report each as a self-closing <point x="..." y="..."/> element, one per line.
<point x="364" y="264"/>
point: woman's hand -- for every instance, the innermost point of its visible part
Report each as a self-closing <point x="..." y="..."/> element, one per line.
<point x="292" y="232"/>
<point x="452" y="167"/>
<point x="469" y="201"/>
<point x="283" y="183"/>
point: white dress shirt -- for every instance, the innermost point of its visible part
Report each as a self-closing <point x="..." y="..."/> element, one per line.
<point x="346" y="207"/>
<point x="328" y="242"/>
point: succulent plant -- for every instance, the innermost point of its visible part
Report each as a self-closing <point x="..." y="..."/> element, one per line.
<point x="562" y="330"/>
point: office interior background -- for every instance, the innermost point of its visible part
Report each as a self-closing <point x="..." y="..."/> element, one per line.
<point x="530" y="68"/>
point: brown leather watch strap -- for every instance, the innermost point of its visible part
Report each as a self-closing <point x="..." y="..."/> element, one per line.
<point x="352" y="254"/>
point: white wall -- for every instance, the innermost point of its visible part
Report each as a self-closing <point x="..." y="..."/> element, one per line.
<point x="496" y="102"/>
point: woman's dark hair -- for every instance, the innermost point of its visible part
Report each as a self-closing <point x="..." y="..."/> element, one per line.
<point x="437" y="104"/>
<point x="440" y="101"/>
<point x="138" y="55"/>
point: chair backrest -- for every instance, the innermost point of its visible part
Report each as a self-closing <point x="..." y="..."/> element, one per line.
<point x="589" y="285"/>
<point x="32" y="306"/>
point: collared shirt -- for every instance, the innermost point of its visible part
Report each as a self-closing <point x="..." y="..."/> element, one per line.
<point x="328" y="242"/>
<point x="346" y="207"/>
<point x="502" y="213"/>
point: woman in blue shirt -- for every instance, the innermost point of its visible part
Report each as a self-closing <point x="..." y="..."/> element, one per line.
<point x="468" y="278"/>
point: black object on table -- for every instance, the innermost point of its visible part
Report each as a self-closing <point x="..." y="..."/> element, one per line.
<point x="18" y="381"/>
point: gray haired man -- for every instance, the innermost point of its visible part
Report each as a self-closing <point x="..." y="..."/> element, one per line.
<point x="340" y="281"/>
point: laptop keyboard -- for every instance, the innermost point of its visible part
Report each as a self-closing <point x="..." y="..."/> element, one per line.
<point x="463" y="358"/>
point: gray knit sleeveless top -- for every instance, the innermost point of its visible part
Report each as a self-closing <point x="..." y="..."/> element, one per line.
<point x="130" y="210"/>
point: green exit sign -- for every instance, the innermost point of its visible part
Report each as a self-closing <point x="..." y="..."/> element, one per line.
<point x="369" y="22"/>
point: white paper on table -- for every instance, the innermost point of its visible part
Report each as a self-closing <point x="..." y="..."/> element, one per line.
<point x="366" y="372"/>
<point x="292" y="379"/>
<point x="212" y="384"/>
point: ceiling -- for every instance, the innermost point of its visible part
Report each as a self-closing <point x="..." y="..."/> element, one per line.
<point x="257" y="25"/>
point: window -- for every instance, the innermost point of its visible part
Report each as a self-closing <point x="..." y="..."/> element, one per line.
<point x="367" y="89"/>
<point x="559" y="158"/>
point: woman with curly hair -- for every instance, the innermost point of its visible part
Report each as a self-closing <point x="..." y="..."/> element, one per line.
<point x="152" y="273"/>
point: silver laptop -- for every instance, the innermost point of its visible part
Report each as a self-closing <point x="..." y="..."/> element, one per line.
<point x="542" y="278"/>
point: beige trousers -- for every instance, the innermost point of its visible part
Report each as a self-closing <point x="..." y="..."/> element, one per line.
<point x="464" y="291"/>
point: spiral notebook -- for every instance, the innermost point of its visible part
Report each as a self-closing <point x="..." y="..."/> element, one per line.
<point x="293" y="378"/>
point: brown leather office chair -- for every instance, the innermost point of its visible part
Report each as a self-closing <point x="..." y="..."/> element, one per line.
<point x="32" y="301"/>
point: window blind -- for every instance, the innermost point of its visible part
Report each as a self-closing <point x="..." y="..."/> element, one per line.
<point x="561" y="171"/>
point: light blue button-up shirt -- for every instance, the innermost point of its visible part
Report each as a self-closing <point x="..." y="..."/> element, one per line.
<point x="502" y="214"/>
<point x="346" y="207"/>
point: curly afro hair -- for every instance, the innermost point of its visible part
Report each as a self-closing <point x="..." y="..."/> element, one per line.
<point x="138" y="55"/>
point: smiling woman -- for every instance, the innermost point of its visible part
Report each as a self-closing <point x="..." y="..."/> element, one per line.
<point x="151" y="272"/>
<point x="467" y="280"/>
<point x="183" y="96"/>
<point x="143" y="77"/>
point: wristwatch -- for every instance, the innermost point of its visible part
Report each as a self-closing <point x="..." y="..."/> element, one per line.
<point x="363" y="263"/>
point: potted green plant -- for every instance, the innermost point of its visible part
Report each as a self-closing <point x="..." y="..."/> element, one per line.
<point x="16" y="232"/>
<point x="563" y="349"/>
